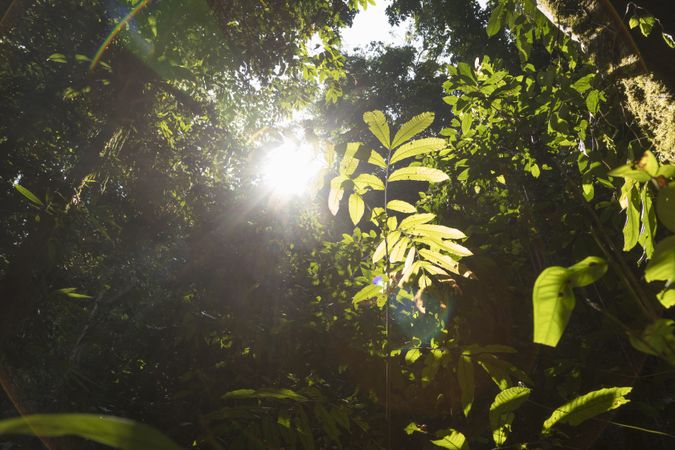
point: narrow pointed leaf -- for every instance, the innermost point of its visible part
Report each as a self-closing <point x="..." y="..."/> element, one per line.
<point x="416" y="219"/>
<point x="368" y="292"/>
<point x="443" y="261"/>
<point x="336" y="193"/>
<point x="108" y="430"/>
<point x="376" y="159"/>
<point x="412" y="128"/>
<point x="466" y="381"/>
<point x="418" y="174"/>
<point x="28" y="194"/>
<point x="349" y="162"/>
<point x="378" y="126"/>
<point x="418" y="147"/>
<point x="440" y="231"/>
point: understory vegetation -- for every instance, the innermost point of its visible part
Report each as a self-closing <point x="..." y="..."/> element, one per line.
<point x="482" y="257"/>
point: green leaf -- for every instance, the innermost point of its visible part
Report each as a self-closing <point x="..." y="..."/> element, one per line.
<point x="71" y="292"/>
<point x="669" y="39"/>
<point x="593" y="101"/>
<point x="648" y="218"/>
<point x="464" y="175"/>
<point x="28" y="194"/>
<point x="588" y="406"/>
<point x="535" y="171"/>
<point x="553" y="302"/>
<point x="666" y="171"/>
<point x="629" y="171"/>
<point x="631" y="229"/>
<point x="649" y="163"/>
<point x="368" y="292"/>
<point x="439" y="231"/>
<point x="108" y="430"/>
<point x="667" y="297"/>
<point x="501" y="411"/>
<point x="441" y="260"/>
<point x="587" y="271"/>
<point x="398" y="251"/>
<point x="418" y="174"/>
<point x="495" y="21"/>
<point x="58" y="58"/>
<point x="416" y="219"/>
<point x="646" y="25"/>
<point x="633" y="22"/>
<point x="377" y="160"/>
<point x="368" y="180"/>
<point x="662" y="264"/>
<point x="584" y="83"/>
<point x="657" y="339"/>
<point x="277" y="394"/>
<point x="356" y="208"/>
<point x="336" y="193"/>
<point x="665" y="206"/>
<point x="412" y="355"/>
<point x="453" y="441"/>
<point x="401" y="206"/>
<point x="417" y="147"/>
<point x="466" y="381"/>
<point x="378" y="126"/>
<point x="412" y="128"/>
<point x="349" y="163"/>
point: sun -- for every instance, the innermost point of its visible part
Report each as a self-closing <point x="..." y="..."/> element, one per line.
<point x="290" y="169"/>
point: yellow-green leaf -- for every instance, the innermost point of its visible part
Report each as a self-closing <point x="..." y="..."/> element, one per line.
<point x="662" y="264"/>
<point x="588" y="406"/>
<point x="553" y="302"/>
<point x="440" y="231"/>
<point x="412" y="128"/>
<point x="28" y="194"/>
<point x="336" y="193"/>
<point x="453" y="441"/>
<point x="368" y="180"/>
<point x="367" y="292"/>
<point x="398" y="251"/>
<point x="401" y="206"/>
<point x="356" y="208"/>
<point x="418" y="174"/>
<point x="378" y="126"/>
<point x="501" y="411"/>
<point x="467" y="385"/>
<point x="665" y="206"/>
<point x="108" y="430"/>
<point x="418" y="147"/>
<point x="416" y="219"/>
<point x="376" y="159"/>
<point x="349" y="163"/>
<point x="441" y="260"/>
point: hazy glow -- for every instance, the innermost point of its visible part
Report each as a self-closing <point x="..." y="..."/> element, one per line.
<point x="290" y="169"/>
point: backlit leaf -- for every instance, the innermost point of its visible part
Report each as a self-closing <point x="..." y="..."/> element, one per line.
<point x="587" y="271"/>
<point x="588" y="406"/>
<point x="367" y="292"/>
<point x="378" y="126"/>
<point x="665" y="206"/>
<point x="368" y="180"/>
<point x="453" y="441"/>
<point x="553" y="302"/>
<point x="401" y="206"/>
<point x="277" y="394"/>
<point x="108" y="430"/>
<point x="662" y="264"/>
<point x="418" y="174"/>
<point x="418" y="147"/>
<point x="501" y="411"/>
<point x="336" y="193"/>
<point x="28" y="194"/>
<point x="416" y="219"/>
<point x="467" y="386"/>
<point x="376" y="159"/>
<point x="412" y="128"/>
<point x="356" y="208"/>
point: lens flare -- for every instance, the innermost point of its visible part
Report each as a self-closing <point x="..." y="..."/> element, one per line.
<point x="289" y="170"/>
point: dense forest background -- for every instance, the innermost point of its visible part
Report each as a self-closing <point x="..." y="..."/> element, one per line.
<point x="484" y="259"/>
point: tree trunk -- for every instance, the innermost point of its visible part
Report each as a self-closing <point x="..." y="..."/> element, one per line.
<point x="641" y="67"/>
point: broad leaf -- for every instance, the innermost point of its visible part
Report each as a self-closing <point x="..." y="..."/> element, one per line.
<point x="398" y="251"/>
<point x="368" y="180"/>
<point x="587" y="271"/>
<point x="440" y="231"/>
<point x="416" y="219"/>
<point x="588" y="406"/>
<point x="336" y="193"/>
<point x="277" y="394"/>
<point x="665" y="206"/>
<point x="466" y="381"/>
<point x="356" y="208"/>
<point x="418" y="174"/>
<point x="495" y="21"/>
<point x="367" y="292"/>
<point x="377" y="160"/>
<point x="662" y="264"/>
<point x="553" y="302"/>
<point x="441" y="260"/>
<point x="108" y="430"/>
<point x="418" y="147"/>
<point x="412" y="128"/>
<point x="454" y="441"/>
<point x="501" y="411"/>
<point x="401" y="206"/>
<point x="349" y="162"/>
<point x="378" y="126"/>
